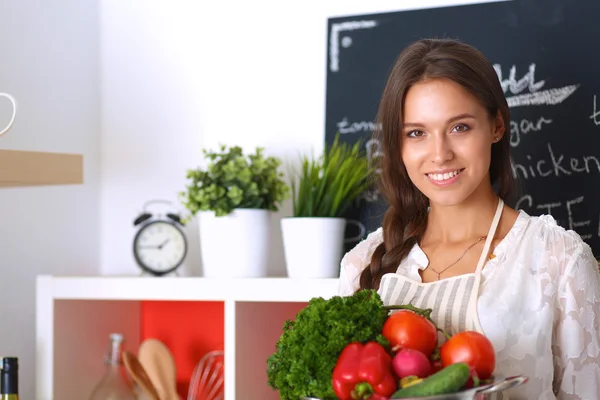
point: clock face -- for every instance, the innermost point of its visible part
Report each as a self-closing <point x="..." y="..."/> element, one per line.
<point x="159" y="247"/>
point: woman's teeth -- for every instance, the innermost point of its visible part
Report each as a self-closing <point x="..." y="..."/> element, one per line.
<point x="443" y="177"/>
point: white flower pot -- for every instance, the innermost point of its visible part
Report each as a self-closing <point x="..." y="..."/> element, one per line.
<point x="313" y="247"/>
<point x="235" y="245"/>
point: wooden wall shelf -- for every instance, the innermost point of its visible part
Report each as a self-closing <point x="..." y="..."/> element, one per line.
<point x="34" y="168"/>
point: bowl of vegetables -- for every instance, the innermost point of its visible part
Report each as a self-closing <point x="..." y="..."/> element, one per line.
<point x="355" y="348"/>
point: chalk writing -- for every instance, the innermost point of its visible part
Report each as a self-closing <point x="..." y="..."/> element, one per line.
<point x="370" y="195"/>
<point x="595" y="114"/>
<point x="346" y="41"/>
<point x="546" y="97"/>
<point x="361" y="230"/>
<point x="517" y="86"/>
<point x="557" y="165"/>
<point x="334" y="39"/>
<point x="572" y="223"/>
<point x="523" y="127"/>
<point x="535" y="97"/>
<point x="373" y="153"/>
<point x="362" y="126"/>
<point x="568" y="205"/>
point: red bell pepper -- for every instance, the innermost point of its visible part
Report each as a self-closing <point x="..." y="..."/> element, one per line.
<point x="364" y="372"/>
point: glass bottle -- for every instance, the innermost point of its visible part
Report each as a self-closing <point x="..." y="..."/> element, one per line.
<point x="9" y="381"/>
<point x="114" y="385"/>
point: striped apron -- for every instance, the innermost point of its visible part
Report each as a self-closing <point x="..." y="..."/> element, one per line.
<point x="453" y="300"/>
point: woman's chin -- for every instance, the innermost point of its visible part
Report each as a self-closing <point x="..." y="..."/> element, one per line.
<point x="447" y="199"/>
<point x="457" y="194"/>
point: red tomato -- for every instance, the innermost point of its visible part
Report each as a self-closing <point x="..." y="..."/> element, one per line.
<point x="472" y="348"/>
<point x="407" y="330"/>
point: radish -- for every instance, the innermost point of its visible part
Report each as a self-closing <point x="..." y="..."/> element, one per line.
<point x="409" y="362"/>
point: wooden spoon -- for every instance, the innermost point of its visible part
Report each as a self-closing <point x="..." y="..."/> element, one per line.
<point x="159" y="363"/>
<point x="138" y="373"/>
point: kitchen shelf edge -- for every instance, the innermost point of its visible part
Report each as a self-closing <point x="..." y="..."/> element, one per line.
<point x="187" y="288"/>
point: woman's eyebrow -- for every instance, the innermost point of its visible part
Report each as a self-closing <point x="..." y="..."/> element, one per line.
<point x="460" y="116"/>
<point x="451" y="119"/>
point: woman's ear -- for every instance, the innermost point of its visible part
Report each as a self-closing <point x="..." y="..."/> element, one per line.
<point x="499" y="127"/>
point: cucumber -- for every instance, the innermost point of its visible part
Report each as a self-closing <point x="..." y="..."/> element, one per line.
<point x="448" y="380"/>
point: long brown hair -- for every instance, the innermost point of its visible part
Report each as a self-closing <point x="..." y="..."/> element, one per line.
<point x="405" y="220"/>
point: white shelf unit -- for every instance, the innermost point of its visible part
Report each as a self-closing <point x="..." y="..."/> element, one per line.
<point x="74" y="316"/>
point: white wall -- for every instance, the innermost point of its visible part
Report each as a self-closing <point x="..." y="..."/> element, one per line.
<point x="49" y="60"/>
<point x="181" y="75"/>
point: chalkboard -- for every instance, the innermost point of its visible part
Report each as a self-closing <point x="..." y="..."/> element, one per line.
<point x="546" y="57"/>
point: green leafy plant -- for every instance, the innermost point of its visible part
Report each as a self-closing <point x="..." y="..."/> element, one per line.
<point x="326" y="186"/>
<point x="234" y="180"/>
<point x="309" y="346"/>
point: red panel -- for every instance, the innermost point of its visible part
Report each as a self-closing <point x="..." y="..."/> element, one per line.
<point x="189" y="329"/>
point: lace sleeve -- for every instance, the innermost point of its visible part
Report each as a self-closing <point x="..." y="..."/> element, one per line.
<point x="576" y="343"/>
<point x="355" y="261"/>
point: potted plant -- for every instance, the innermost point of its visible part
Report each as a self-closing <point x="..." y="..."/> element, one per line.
<point x="322" y="190"/>
<point x="233" y="198"/>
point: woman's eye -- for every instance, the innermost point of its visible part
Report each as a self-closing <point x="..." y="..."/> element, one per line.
<point x="461" y="128"/>
<point x="415" y="134"/>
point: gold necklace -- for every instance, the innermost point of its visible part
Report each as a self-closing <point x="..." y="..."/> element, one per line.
<point x="459" y="258"/>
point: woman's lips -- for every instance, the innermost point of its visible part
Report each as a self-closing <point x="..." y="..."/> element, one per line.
<point x="445" y="178"/>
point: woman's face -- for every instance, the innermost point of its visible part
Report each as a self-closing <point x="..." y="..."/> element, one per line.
<point x="446" y="141"/>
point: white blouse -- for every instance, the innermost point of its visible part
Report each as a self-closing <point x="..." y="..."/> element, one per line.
<point x="539" y="304"/>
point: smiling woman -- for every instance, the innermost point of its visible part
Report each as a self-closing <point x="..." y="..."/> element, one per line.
<point x="446" y="143"/>
<point x="448" y="241"/>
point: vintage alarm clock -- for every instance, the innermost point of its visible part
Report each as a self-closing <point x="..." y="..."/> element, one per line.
<point x="159" y="246"/>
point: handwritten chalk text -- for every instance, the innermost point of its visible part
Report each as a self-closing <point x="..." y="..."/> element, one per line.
<point x="535" y="97"/>
<point x="523" y="127"/>
<point x="373" y="152"/>
<point x="517" y="86"/>
<point x="573" y="223"/>
<point x="595" y="114"/>
<point x="556" y="164"/>
<point x="345" y="127"/>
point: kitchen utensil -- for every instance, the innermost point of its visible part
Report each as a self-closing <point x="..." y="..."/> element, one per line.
<point x="482" y="392"/>
<point x="139" y="375"/>
<point x="159" y="363"/>
<point x="207" y="378"/>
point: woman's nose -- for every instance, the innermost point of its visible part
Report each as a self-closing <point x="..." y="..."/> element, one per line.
<point x="441" y="149"/>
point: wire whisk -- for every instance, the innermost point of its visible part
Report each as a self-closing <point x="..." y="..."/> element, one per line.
<point x="208" y="378"/>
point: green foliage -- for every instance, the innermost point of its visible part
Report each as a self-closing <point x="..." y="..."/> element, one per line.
<point x="234" y="180"/>
<point x="326" y="186"/>
<point x="310" y="345"/>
